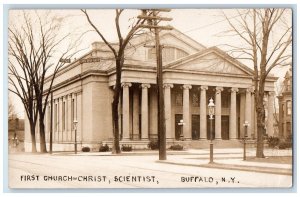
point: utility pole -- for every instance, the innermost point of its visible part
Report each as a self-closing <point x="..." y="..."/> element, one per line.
<point x="153" y="21"/>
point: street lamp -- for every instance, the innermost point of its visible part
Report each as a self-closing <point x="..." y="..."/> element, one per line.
<point x="181" y="123"/>
<point x="211" y="113"/>
<point x="246" y="125"/>
<point x="75" y="122"/>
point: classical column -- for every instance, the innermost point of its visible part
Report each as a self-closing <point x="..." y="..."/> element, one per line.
<point x="270" y="128"/>
<point x="153" y="114"/>
<point x="54" y="116"/>
<point x="135" y="115"/>
<point x="144" y="111"/>
<point x="125" y="105"/>
<point x="203" y="104"/>
<point x="186" y="111"/>
<point x="242" y="113"/>
<point x="167" y="99"/>
<point x="218" y="113"/>
<point x="233" y="116"/>
<point x="59" y="122"/>
<point x="248" y="110"/>
<point x="79" y="116"/>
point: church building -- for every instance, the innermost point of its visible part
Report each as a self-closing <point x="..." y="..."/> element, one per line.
<point x="192" y="75"/>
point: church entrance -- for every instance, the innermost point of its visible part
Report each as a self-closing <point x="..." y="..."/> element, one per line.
<point x="225" y="127"/>
<point x="178" y="128"/>
<point x="195" y="127"/>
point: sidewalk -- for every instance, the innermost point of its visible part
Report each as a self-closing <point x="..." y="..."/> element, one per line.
<point x="232" y="159"/>
<point x="228" y="159"/>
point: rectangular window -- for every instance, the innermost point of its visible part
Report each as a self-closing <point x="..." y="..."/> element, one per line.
<point x="178" y="99"/>
<point x="195" y="99"/>
<point x="289" y="107"/>
<point x="225" y="101"/>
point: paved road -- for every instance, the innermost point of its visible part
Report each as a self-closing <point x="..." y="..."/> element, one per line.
<point x="87" y="171"/>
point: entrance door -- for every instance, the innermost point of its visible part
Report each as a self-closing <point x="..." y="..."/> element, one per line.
<point x="225" y="127"/>
<point x="195" y="127"/>
<point x="178" y="128"/>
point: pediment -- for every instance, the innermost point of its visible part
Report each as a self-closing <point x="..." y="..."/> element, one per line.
<point x="211" y="61"/>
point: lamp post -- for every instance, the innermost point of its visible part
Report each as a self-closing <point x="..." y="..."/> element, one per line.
<point x="181" y="123"/>
<point x="211" y="113"/>
<point x="246" y="124"/>
<point x="75" y="128"/>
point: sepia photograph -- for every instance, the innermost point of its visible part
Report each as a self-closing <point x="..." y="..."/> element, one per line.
<point x="150" y="97"/>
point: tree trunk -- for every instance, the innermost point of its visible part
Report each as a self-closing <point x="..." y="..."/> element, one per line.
<point x="260" y="124"/>
<point x="116" y="144"/>
<point x="43" y="148"/>
<point x="115" y="112"/>
<point x="33" y="141"/>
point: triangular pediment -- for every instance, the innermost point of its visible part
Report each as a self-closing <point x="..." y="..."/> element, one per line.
<point x="212" y="60"/>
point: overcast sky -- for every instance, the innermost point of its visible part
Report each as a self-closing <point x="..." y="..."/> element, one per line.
<point x="203" y="25"/>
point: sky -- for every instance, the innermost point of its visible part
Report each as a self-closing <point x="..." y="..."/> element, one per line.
<point x="206" y="26"/>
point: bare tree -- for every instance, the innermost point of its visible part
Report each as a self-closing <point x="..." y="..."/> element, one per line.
<point x="35" y="46"/>
<point x="118" y="53"/>
<point x="266" y="39"/>
<point x="20" y="80"/>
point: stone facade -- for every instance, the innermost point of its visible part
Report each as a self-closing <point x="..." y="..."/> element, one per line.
<point x="192" y="75"/>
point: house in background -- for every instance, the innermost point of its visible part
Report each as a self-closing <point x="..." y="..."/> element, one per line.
<point x="16" y="133"/>
<point x="285" y="106"/>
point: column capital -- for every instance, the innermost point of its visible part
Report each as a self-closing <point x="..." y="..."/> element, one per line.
<point x="219" y="89"/>
<point x="187" y="86"/>
<point x="203" y="88"/>
<point x="168" y="85"/>
<point x="145" y="85"/>
<point x="234" y="90"/>
<point x="251" y="90"/>
<point x="271" y="93"/>
<point x="126" y="84"/>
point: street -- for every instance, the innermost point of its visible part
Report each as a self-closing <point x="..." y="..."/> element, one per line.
<point x="95" y="170"/>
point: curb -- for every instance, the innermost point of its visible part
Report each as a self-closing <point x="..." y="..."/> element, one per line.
<point x="279" y="171"/>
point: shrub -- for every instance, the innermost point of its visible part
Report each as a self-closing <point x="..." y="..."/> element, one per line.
<point x="86" y="149"/>
<point x="289" y="139"/>
<point x="104" y="148"/>
<point x="176" y="147"/>
<point x="273" y="141"/>
<point x="153" y="145"/>
<point x="126" y="148"/>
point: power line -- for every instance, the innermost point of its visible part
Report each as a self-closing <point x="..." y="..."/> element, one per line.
<point x="204" y="26"/>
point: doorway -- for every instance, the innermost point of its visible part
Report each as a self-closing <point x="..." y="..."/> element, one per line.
<point x="225" y="127"/>
<point x="195" y="127"/>
<point x="178" y="128"/>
